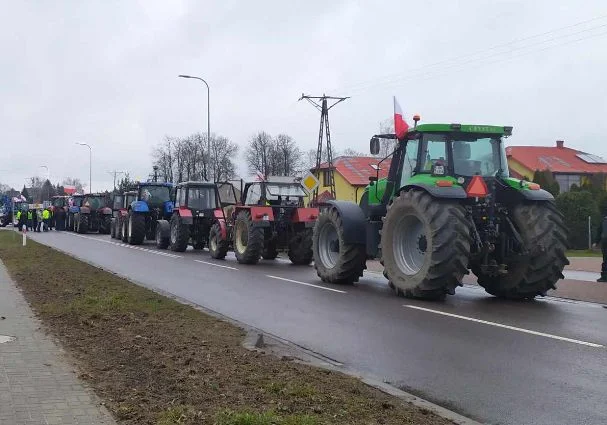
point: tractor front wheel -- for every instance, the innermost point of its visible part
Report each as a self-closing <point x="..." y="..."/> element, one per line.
<point x="105" y="227"/>
<point x="425" y="245"/>
<point x="135" y="228"/>
<point x="300" y="248"/>
<point x="336" y="261"/>
<point x="180" y="234"/>
<point x="248" y="239"/>
<point x="124" y="229"/>
<point x="545" y="237"/>
<point x="218" y="246"/>
<point x="113" y="228"/>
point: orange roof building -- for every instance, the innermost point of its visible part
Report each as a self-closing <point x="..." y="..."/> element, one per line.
<point x="351" y="174"/>
<point x="568" y="165"/>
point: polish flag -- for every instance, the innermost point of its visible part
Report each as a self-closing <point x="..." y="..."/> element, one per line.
<point x="400" y="125"/>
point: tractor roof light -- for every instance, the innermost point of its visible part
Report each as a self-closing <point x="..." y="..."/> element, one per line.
<point x="444" y="183"/>
<point x="508" y="130"/>
<point x="456" y="126"/>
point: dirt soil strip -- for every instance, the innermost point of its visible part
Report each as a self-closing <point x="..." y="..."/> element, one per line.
<point x="156" y="361"/>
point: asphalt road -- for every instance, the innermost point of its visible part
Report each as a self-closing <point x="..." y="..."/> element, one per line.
<point x="499" y="362"/>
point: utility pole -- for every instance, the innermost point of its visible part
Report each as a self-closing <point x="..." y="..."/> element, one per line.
<point x="115" y="173"/>
<point x="322" y="104"/>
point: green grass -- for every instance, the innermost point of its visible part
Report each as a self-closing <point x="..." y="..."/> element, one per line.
<point x="584" y="253"/>
<point x="264" y="418"/>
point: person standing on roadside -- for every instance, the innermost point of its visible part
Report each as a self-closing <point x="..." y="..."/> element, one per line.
<point x="601" y="238"/>
<point x="20" y="219"/>
<point x="30" y="217"/>
<point x="46" y="217"/>
<point x="35" y="220"/>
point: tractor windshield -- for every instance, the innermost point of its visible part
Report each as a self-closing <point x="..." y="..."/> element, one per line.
<point x="478" y="155"/>
<point x="201" y="198"/>
<point x="77" y="202"/>
<point x="118" y="200"/>
<point x="130" y="198"/>
<point x="155" y="195"/>
<point x="284" y="190"/>
<point x="94" y="202"/>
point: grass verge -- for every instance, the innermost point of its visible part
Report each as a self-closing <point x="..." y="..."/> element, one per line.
<point x="155" y="361"/>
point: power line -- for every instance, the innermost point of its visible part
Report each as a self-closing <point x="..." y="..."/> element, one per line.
<point x="395" y="77"/>
<point x="115" y="173"/>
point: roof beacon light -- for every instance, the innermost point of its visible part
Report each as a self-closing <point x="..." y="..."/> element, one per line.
<point x="508" y="130"/>
<point x="477" y="188"/>
<point x="416" y="118"/>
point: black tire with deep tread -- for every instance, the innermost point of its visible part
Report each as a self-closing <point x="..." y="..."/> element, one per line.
<point x="300" y="248"/>
<point x="541" y="227"/>
<point x="135" y="228"/>
<point x="113" y="228"/>
<point x="352" y="257"/>
<point x="448" y="245"/>
<point x="180" y="234"/>
<point x="124" y="229"/>
<point x="255" y="239"/>
<point x="163" y="234"/>
<point x="83" y="223"/>
<point x="105" y="226"/>
<point x="218" y="247"/>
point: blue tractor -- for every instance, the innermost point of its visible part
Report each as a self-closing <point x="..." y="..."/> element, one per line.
<point x="153" y="203"/>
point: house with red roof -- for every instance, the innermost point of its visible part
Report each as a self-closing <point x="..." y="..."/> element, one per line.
<point x="351" y="174"/>
<point x="569" y="166"/>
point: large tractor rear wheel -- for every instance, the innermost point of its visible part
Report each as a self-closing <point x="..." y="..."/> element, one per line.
<point x="218" y="246"/>
<point x="105" y="226"/>
<point x="124" y="229"/>
<point x="163" y="234"/>
<point x="135" y="228"/>
<point x="425" y="245"/>
<point x="545" y="237"/>
<point x="113" y="228"/>
<point x="248" y="239"/>
<point x="300" y="248"/>
<point x="180" y="234"/>
<point x="83" y="223"/>
<point x="336" y="261"/>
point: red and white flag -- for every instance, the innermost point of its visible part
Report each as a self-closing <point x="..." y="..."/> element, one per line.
<point x="400" y="125"/>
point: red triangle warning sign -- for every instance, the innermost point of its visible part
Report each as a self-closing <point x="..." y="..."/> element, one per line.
<point x="477" y="188"/>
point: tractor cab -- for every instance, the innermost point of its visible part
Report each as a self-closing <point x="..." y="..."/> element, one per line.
<point x="154" y="194"/>
<point x="75" y="202"/>
<point x="200" y="198"/>
<point x="59" y="202"/>
<point x="117" y="201"/>
<point x="95" y="201"/>
<point x="276" y="192"/>
<point x="129" y="198"/>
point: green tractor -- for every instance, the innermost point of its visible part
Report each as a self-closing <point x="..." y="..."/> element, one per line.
<point x="447" y="206"/>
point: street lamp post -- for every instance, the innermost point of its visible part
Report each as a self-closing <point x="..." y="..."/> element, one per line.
<point x="48" y="177"/>
<point x="90" y="165"/>
<point x="208" y="120"/>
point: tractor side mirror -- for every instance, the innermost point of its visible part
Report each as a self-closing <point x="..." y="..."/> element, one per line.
<point x="372" y="180"/>
<point x="374" y="145"/>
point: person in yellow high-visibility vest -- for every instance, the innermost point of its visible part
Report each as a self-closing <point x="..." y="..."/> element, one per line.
<point x="46" y="216"/>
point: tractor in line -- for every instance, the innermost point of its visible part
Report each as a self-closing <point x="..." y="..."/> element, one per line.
<point x="448" y="206"/>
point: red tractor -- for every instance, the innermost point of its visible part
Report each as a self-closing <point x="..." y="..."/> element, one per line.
<point x="271" y="219"/>
<point x="198" y="208"/>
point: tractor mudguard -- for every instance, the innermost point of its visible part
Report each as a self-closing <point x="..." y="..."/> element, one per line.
<point x="259" y="214"/>
<point x="85" y="210"/>
<point x="536" y="195"/>
<point x="106" y="211"/>
<point x="186" y="215"/>
<point x="165" y="228"/>
<point x="140" y="207"/>
<point x="353" y="221"/>
<point x="453" y="192"/>
<point x="168" y="208"/>
<point x="223" y="228"/>
<point x="305" y="215"/>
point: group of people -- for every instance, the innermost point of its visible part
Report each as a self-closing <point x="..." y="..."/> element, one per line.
<point x="36" y="220"/>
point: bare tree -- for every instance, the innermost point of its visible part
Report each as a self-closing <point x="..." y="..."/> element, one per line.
<point x="223" y="152"/>
<point x="386" y="147"/>
<point x="352" y="152"/>
<point x="258" y="153"/>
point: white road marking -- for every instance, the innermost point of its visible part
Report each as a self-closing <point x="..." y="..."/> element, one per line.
<point x="306" y="284"/>
<point x="216" y="265"/>
<point x="512" y="328"/>
<point x="138" y="248"/>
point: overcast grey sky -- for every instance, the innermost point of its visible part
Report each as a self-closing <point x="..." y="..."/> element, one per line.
<point x="105" y="73"/>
